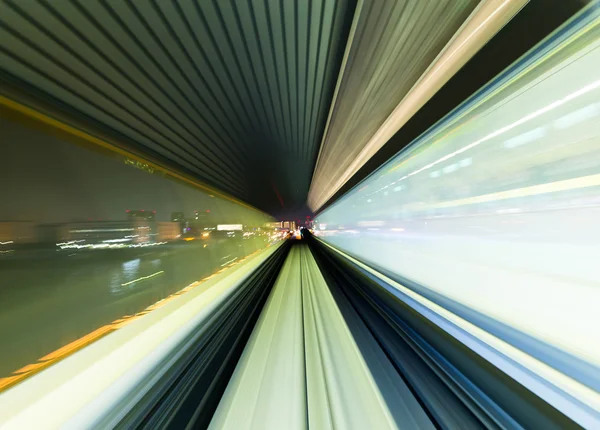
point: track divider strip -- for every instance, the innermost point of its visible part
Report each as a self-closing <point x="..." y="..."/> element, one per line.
<point x="302" y="368"/>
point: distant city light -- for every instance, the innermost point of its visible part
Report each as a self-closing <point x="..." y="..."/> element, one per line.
<point x="229" y="227"/>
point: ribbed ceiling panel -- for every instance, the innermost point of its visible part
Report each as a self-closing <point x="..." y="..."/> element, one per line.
<point x="393" y="44"/>
<point x="234" y="92"/>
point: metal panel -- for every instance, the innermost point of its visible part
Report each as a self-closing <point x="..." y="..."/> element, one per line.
<point x="234" y="92"/>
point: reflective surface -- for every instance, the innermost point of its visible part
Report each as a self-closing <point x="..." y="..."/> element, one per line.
<point x="87" y="238"/>
<point x="495" y="212"/>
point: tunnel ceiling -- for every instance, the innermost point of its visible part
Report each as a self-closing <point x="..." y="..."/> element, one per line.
<point x="234" y="92"/>
<point x="244" y="95"/>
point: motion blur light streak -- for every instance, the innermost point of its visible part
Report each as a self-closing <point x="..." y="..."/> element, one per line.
<point x="229" y="262"/>
<point x="151" y="276"/>
<point x="503" y="355"/>
<point x="484" y="22"/>
<point x="509" y="127"/>
<point x="552" y="187"/>
<point x="142" y="278"/>
<point x="484" y="272"/>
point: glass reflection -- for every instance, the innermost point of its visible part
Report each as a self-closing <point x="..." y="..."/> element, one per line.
<point x="87" y="238"/>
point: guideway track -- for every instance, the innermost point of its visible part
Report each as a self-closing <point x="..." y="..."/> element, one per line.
<point x="316" y="342"/>
<point x="301" y="368"/>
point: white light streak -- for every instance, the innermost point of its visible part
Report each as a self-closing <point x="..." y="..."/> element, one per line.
<point x="229" y="262"/>
<point x="500" y="131"/>
<point x="142" y="278"/>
